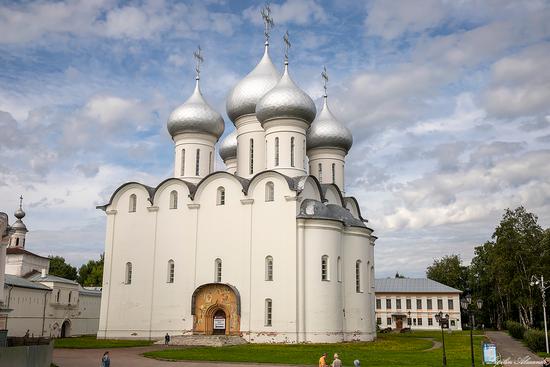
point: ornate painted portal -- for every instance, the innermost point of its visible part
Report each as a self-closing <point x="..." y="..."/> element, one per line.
<point x="216" y="309"/>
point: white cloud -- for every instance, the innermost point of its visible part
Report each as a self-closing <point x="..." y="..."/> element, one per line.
<point x="291" y="11"/>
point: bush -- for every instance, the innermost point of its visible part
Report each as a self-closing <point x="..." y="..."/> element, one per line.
<point x="535" y="340"/>
<point x="515" y="329"/>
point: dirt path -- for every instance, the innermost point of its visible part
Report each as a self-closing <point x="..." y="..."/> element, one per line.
<point x="128" y="357"/>
<point x="512" y="351"/>
<point x="435" y="344"/>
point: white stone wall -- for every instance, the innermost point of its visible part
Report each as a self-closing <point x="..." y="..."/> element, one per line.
<point x="21" y="264"/>
<point x="248" y="127"/>
<point x="326" y="158"/>
<point x="192" y="142"/>
<point x="285" y="130"/>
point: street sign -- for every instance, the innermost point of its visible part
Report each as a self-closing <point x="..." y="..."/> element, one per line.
<point x="489" y="353"/>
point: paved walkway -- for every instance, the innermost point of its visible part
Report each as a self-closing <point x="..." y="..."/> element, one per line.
<point x="128" y="357"/>
<point x="512" y="351"/>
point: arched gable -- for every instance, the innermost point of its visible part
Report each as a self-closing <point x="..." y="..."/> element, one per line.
<point x="332" y="194"/>
<point x="242" y="183"/>
<point x="309" y="188"/>
<point x="207" y="285"/>
<point x="122" y="189"/>
<point x="171" y="183"/>
<point x="353" y="206"/>
<point x="273" y="176"/>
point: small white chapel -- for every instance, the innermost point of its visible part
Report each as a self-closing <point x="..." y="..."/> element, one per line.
<point x="270" y="249"/>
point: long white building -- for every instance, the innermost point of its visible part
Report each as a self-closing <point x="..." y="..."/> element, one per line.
<point x="269" y="249"/>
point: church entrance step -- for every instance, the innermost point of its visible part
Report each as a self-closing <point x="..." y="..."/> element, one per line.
<point x="204" y="340"/>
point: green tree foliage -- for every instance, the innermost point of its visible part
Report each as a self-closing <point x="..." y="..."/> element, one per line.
<point x="59" y="267"/>
<point x="91" y="273"/>
<point x="398" y="275"/>
<point x="449" y="271"/>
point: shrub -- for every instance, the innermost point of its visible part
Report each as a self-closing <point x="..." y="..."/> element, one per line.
<point x="535" y="340"/>
<point x="515" y="329"/>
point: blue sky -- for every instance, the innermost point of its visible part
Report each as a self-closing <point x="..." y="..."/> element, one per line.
<point x="449" y="104"/>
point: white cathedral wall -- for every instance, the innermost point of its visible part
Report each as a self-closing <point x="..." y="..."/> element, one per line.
<point x="248" y="127"/>
<point x="192" y="142"/>
<point x="326" y="157"/>
<point x="285" y="130"/>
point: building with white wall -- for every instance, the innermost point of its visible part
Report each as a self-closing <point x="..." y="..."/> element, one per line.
<point x="33" y="300"/>
<point x="269" y="249"/>
<point x="413" y="303"/>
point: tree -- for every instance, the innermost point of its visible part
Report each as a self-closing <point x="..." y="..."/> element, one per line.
<point x="397" y="275"/>
<point x="91" y="273"/>
<point x="59" y="267"/>
<point x="449" y="271"/>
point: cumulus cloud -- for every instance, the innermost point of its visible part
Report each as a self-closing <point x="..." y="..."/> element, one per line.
<point x="290" y="11"/>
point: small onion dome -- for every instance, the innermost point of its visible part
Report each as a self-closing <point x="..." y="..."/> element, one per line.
<point x="19" y="226"/>
<point x="286" y="99"/>
<point x="19" y="213"/>
<point x="327" y="132"/>
<point x="245" y="95"/>
<point x="228" y="146"/>
<point x="195" y="115"/>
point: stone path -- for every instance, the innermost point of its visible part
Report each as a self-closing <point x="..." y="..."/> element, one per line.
<point x="435" y="344"/>
<point x="512" y="351"/>
<point x="129" y="357"/>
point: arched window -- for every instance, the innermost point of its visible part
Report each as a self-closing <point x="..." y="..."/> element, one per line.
<point x="17" y="242"/>
<point x="324" y="268"/>
<point x="269" y="191"/>
<point x="339" y="268"/>
<point x="304" y="153"/>
<point x="70" y="294"/>
<point x="372" y="277"/>
<point x="276" y="151"/>
<point x="183" y="162"/>
<point x="170" y="278"/>
<point x="197" y="162"/>
<point x="58" y="295"/>
<point x="268" y="311"/>
<point x="358" y="287"/>
<point x="320" y="171"/>
<point x="218" y="270"/>
<point x="269" y="268"/>
<point x="173" y="199"/>
<point x="133" y="203"/>
<point x="221" y="196"/>
<point x="251" y="154"/>
<point x="292" y="152"/>
<point x="128" y="275"/>
<point x="334" y="173"/>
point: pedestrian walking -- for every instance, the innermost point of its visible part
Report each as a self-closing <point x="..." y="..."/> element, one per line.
<point x="323" y="360"/>
<point x="546" y="362"/>
<point x="336" y="362"/>
<point x="166" y="339"/>
<point x="356" y="363"/>
<point x="105" y="360"/>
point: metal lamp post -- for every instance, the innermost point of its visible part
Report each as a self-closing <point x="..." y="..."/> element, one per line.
<point x="444" y="323"/>
<point x="540" y="283"/>
<point x="466" y="304"/>
<point x="409" y="320"/>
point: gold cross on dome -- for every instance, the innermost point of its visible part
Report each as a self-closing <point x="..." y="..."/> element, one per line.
<point x="324" y="75"/>
<point x="198" y="61"/>
<point x="287" y="44"/>
<point x="268" y="20"/>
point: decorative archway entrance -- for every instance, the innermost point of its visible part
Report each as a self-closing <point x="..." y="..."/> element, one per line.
<point x="216" y="309"/>
<point x="65" y="329"/>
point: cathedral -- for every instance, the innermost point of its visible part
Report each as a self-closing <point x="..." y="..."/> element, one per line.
<point x="270" y="249"/>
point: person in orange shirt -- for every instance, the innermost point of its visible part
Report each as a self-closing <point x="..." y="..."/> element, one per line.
<point x="323" y="360"/>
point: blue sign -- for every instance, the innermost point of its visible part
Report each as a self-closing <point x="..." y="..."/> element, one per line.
<point x="489" y="353"/>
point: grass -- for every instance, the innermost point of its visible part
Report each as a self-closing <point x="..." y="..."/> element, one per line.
<point x="90" y="342"/>
<point x="388" y="350"/>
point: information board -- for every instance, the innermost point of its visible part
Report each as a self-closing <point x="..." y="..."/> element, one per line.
<point x="489" y="353"/>
<point x="219" y="324"/>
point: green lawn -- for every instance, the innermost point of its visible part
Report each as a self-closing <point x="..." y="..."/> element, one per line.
<point x="90" y="342"/>
<point x="388" y="350"/>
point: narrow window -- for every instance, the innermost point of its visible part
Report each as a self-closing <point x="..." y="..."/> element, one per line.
<point x="269" y="268"/>
<point x="339" y="268"/>
<point x="251" y="168"/>
<point x="210" y="163"/>
<point x="218" y="270"/>
<point x="430" y="322"/>
<point x="17" y="242"/>
<point x="388" y="304"/>
<point x="429" y="304"/>
<point x="133" y="203"/>
<point x="419" y="304"/>
<point x="358" y="288"/>
<point x="292" y="152"/>
<point x="378" y="304"/>
<point x="183" y="162"/>
<point x="197" y="162"/>
<point x="58" y="295"/>
<point x="333" y="173"/>
<point x="173" y="199"/>
<point x="276" y="151"/>
<point x="450" y="304"/>
<point x="221" y="196"/>
<point x="304" y="153"/>
<point x="324" y="267"/>
<point x="439" y="304"/>
<point x="420" y="321"/>
<point x="269" y="191"/>
<point x="268" y="311"/>
<point x="398" y="303"/>
<point x="408" y="302"/>
<point x="128" y="278"/>
<point x="170" y="278"/>
<point x="70" y="294"/>
<point x="388" y="321"/>
<point x="378" y="321"/>
<point x="320" y="172"/>
<point x="372" y="277"/>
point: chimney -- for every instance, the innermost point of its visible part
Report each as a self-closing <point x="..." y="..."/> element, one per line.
<point x="43" y="275"/>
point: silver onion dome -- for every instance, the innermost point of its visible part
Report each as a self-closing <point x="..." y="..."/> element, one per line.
<point x="327" y="132"/>
<point x="195" y="115"/>
<point x="286" y="99"/>
<point x="245" y="95"/>
<point x="228" y="146"/>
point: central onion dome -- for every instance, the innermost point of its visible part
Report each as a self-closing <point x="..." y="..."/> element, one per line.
<point x="245" y="95"/>
<point x="195" y="115"/>
<point x="228" y="146"/>
<point x="286" y="99"/>
<point x="327" y="132"/>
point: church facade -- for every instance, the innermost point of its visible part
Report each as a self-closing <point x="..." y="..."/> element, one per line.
<point x="269" y="249"/>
